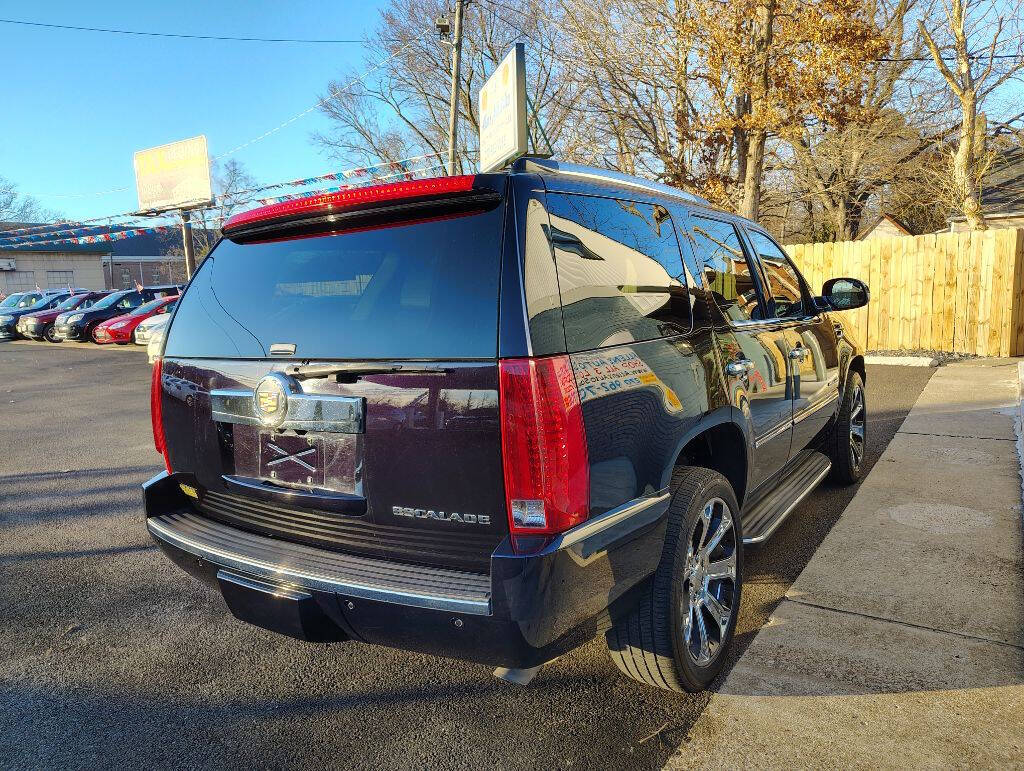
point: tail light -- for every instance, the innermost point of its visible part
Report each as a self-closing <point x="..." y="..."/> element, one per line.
<point x="156" y="412"/>
<point x="544" y="448"/>
<point x="329" y="203"/>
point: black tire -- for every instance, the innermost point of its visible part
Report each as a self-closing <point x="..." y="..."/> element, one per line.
<point x="648" y="643"/>
<point x="847" y="462"/>
<point x="48" y="334"/>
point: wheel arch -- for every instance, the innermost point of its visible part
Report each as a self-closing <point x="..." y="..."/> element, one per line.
<point x="857" y="365"/>
<point x="720" y="444"/>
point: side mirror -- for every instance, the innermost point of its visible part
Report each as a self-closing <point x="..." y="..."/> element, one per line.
<point x="845" y="294"/>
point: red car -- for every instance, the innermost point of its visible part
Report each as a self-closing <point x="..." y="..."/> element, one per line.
<point x="39" y="325"/>
<point x="121" y="329"/>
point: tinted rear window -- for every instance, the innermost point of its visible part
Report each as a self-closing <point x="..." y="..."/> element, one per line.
<point x="620" y="274"/>
<point x="422" y="290"/>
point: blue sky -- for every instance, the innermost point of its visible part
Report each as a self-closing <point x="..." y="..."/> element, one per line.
<point x="80" y="103"/>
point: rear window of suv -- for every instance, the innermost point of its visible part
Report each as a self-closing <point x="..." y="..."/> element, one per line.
<point x="417" y="290"/>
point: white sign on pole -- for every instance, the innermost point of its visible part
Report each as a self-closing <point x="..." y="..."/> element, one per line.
<point x="503" y="112"/>
<point x="174" y="176"/>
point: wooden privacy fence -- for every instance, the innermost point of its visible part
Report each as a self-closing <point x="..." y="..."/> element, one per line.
<point x="957" y="292"/>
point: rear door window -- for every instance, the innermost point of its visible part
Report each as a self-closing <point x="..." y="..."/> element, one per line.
<point x="727" y="273"/>
<point x="416" y="290"/>
<point x="785" y="296"/>
<point x="620" y="273"/>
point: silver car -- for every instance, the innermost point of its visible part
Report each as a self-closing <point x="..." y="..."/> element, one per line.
<point x="145" y="330"/>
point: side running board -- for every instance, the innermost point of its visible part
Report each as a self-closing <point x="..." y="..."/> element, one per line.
<point x="762" y="519"/>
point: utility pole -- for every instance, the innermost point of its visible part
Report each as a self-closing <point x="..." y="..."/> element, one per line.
<point x="453" y="114"/>
<point x="186" y="237"/>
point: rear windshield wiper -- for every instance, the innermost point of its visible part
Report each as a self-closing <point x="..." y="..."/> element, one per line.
<point x="354" y="369"/>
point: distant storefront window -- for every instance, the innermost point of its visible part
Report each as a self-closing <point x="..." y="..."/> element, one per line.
<point x="60" y="279"/>
<point x="126" y="278"/>
<point x="20" y="280"/>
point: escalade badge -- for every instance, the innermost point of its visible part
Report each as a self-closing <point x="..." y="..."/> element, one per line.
<point x="270" y="398"/>
<point x="441" y="516"/>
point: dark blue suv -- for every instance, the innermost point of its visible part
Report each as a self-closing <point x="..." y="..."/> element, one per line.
<point x="489" y="417"/>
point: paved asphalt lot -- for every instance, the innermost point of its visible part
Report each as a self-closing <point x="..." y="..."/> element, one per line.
<point x="109" y="655"/>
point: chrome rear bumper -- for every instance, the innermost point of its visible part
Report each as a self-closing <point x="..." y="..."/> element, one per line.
<point x="299" y="565"/>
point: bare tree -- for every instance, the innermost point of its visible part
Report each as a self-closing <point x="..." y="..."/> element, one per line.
<point x="230" y="183"/>
<point x="843" y="164"/>
<point x="977" y="49"/>
<point x="694" y="93"/>
<point x="401" y="109"/>
<point x="16" y="207"/>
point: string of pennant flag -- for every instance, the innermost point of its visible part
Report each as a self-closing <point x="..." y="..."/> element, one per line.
<point x="408" y="168"/>
<point x="407" y="175"/>
<point x="80" y="234"/>
<point x="86" y="233"/>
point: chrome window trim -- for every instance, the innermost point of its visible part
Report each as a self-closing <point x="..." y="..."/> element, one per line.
<point x="601" y="175"/>
<point x="779" y="322"/>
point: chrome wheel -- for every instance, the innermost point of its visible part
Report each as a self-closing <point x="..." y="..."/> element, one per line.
<point x="709" y="582"/>
<point x="858" y="425"/>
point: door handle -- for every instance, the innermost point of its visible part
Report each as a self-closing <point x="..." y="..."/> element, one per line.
<point x="739" y="367"/>
<point x="798" y="353"/>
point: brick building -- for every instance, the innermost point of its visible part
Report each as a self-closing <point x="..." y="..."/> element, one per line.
<point x="146" y="259"/>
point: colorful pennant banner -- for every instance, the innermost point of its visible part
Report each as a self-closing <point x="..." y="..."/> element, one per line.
<point x="365" y="175"/>
<point x="96" y="234"/>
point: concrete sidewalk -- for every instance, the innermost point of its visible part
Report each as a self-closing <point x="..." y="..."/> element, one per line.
<point x="902" y="641"/>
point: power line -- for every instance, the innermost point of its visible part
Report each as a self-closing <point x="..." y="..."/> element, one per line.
<point x="358" y="176"/>
<point x="331" y="96"/>
<point x="178" y="35"/>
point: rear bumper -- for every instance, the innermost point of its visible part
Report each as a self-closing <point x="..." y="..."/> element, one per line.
<point x="530" y="608"/>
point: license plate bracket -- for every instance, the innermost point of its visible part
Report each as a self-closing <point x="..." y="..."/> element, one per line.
<point x="292" y="459"/>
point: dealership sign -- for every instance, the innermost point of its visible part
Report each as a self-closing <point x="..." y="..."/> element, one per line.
<point x="174" y="176"/>
<point x="503" y="112"/>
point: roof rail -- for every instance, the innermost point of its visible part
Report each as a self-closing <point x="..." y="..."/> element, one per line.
<point x="548" y="166"/>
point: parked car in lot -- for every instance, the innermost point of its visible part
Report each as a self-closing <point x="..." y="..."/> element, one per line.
<point x="145" y="330"/>
<point x="156" y="340"/>
<point x="80" y="325"/>
<point x="11" y="319"/>
<point x="487" y="417"/>
<point x="121" y="329"/>
<point x="11" y="300"/>
<point x="20" y="300"/>
<point x="39" y="325"/>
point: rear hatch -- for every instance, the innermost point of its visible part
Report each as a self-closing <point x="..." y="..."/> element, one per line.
<point x="376" y="317"/>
